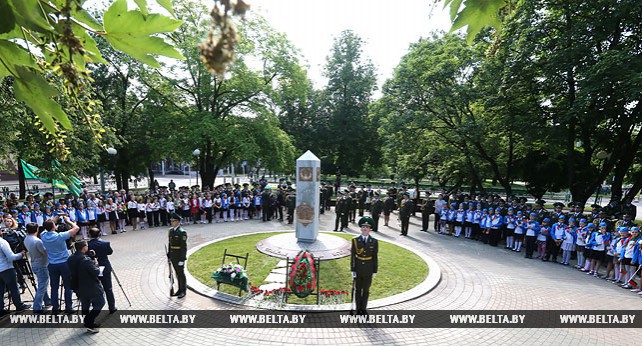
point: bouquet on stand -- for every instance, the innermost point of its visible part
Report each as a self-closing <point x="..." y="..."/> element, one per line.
<point x="232" y="274"/>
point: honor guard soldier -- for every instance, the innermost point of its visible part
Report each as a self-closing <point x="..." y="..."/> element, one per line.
<point x="363" y="264"/>
<point x="177" y="252"/>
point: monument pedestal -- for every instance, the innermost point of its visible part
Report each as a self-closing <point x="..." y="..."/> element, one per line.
<point x="326" y="246"/>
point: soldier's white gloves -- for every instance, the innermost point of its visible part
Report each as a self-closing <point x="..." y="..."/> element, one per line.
<point x="354" y="275"/>
<point x="373" y="275"/>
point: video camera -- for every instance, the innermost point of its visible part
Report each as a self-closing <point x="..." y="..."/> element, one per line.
<point x="61" y="227"/>
<point x="15" y="237"/>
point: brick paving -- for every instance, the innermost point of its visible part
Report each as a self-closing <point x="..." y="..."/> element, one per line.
<point x="474" y="276"/>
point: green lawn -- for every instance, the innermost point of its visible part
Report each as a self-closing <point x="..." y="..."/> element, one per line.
<point x="399" y="269"/>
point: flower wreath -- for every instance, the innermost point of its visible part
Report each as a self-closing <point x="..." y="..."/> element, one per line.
<point x="302" y="278"/>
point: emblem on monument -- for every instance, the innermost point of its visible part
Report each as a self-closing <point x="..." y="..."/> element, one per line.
<point x="305" y="214"/>
<point x="305" y="174"/>
<point x="318" y="173"/>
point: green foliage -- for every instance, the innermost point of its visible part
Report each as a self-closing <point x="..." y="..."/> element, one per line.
<point x="350" y="136"/>
<point x="45" y="46"/>
<point x="477" y="14"/>
<point x="231" y="119"/>
<point x="131" y="32"/>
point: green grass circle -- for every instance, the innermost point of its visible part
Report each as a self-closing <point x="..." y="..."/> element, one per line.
<point x="399" y="269"/>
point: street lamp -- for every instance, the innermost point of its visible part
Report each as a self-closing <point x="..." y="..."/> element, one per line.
<point x="112" y="152"/>
<point x="196" y="153"/>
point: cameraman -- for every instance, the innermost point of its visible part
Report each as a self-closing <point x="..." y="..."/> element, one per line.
<point x="39" y="263"/>
<point x="56" y="247"/>
<point x="15" y="236"/>
<point x="8" y="277"/>
<point x="85" y="282"/>
<point x="102" y="249"/>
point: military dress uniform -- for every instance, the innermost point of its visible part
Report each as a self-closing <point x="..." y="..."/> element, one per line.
<point x="340" y="209"/>
<point x="363" y="264"/>
<point x="376" y="208"/>
<point x="406" y="208"/>
<point x="290" y="202"/>
<point x="178" y="254"/>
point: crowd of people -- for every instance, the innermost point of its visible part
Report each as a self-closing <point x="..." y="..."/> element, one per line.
<point x="113" y="211"/>
<point x="53" y="234"/>
<point x="605" y="242"/>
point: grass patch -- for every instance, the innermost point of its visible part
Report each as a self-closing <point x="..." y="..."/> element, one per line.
<point x="393" y="276"/>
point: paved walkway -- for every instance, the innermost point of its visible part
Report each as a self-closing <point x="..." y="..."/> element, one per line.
<point x="474" y="276"/>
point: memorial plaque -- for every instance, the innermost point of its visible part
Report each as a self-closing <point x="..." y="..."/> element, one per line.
<point x="305" y="174"/>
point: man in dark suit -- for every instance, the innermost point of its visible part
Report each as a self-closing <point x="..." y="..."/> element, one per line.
<point x="102" y="248"/>
<point x="363" y="264"/>
<point x="85" y="282"/>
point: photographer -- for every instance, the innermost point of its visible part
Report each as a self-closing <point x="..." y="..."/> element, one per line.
<point x="102" y="249"/>
<point x="8" y="277"/>
<point x="55" y="244"/>
<point x="39" y="263"/>
<point x="85" y="282"/>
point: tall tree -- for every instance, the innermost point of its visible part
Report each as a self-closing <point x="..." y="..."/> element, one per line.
<point x="351" y="81"/>
<point x="229" y="119"/>
<point x="582" y="61"/>
<point x="45" y="47"/>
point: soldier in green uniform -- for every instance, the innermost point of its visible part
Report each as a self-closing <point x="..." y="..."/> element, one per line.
<point x="290" y="203"/>
<point x="363" y="263"/>
<point x="353" y="205"/>
<point x="177" y="252"/>
<point x="376" y="208"/>
<point x="340" y="210"/>
<point x="406" y="207"/>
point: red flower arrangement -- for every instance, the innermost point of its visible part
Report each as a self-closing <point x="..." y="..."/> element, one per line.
<point x="302" y="278"/>
<point x="329" y="297"/>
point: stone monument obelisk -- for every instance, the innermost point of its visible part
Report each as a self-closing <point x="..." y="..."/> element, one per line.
<point x="308" y="180"/>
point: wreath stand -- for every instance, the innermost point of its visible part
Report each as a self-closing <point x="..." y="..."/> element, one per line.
<point x="289" y="263"/>
<point x="238" y="261"/>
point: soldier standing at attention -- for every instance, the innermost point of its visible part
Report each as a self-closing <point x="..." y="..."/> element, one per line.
<point x="290" y="202"/>
<point x="388" y="206"/>
<point x="340" y="210"/>
<point x="427" y="209"/>
<point x="177" y="252"/>
<point x="363" y="263"/>
<point x="354" y="203"/>
<point x="406" y="208"/>
<point x="376" y="207"/>
<point x="363" y="195"/>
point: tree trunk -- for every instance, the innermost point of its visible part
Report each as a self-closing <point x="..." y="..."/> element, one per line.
<point x="151" y="177"/>
<point x="119" y="181"/>
<point x="22" y="184"/>
<point x="124" y="177"/>
<point x="637" y="186"/>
